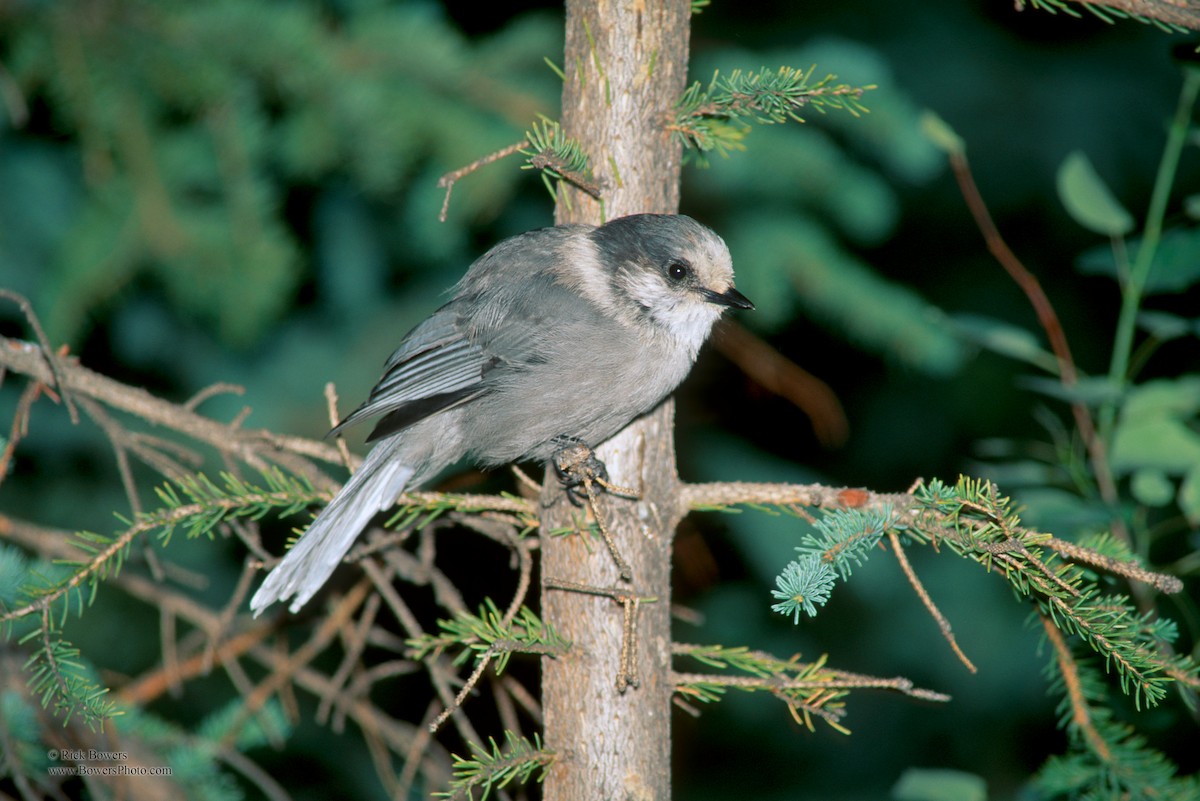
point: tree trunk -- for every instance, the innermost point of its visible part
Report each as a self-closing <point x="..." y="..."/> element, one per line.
<point x="625" y="65"/>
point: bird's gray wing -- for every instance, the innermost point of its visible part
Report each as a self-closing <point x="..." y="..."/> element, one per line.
<point x="535" y="323"/>
<point x="473" y="345"/>
<point x="435" y="368"/>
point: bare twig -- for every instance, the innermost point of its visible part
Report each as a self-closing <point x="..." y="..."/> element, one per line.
<point x="577" y="465"/>
<point x="1048" y="318"/>
<point x="484" y="660"/>
<point x="343" y="609"/>
<point x="622" y="566"/>
<point x="627" y="669"/>
<point x="832" y="680"/>
<point x="630" y="602"/>
<point x="354" y="642"/>
<point x="254" y="447"/>
<point x="819" y="496"/>
<point x="1080" y="714"/>
<point x="331" y="403"/>
<point x="1130" y="570"/>
<point x="448" y="180"/>
<point x="439" y="674"/>
<point x="212" y="390"/>
<point x="923" y="594"/>
<point x="20" y="426"/>
<point x="51" y="359"/>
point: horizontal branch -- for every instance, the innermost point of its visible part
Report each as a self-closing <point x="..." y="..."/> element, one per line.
<point x="255" y="447"/>
<point x="818" y="496"/>
<point x="1184" y="13"/>
<point x="834" y="680"/>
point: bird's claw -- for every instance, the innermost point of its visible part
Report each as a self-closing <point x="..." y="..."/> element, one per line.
<point x="576" y="464"/>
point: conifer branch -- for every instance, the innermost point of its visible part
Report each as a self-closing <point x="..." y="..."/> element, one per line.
<point x="518" y="760"/>
<point x="974" y="521"/>
<point x="559" y="158"/>
<point x="1171" y="16"/>
<point x="62" y="681"/>
<point x="489" y="635"/>
<point x="719" y="116"/>
<point x="808" y="688"/>
<point x="256" y="448"/>
<point x="1107" y="758"/>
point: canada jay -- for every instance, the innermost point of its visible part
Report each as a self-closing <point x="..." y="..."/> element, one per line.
<point x="570" y="331"/>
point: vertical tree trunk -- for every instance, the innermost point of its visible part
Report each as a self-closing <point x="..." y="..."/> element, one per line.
<point x="625" y="65"/>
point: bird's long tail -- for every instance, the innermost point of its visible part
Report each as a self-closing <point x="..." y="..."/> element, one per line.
<point x="383" y="475"/>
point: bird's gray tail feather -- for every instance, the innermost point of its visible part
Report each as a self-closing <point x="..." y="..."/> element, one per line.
<point x="383" y="475"/>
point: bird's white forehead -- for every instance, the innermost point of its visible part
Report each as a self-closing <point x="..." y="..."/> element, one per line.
<point x="712" y="261"/>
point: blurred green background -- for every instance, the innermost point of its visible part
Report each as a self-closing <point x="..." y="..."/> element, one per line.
<point x="246" y="192"/>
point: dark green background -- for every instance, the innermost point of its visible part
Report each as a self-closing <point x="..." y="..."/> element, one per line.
<point x="307" y="259"/>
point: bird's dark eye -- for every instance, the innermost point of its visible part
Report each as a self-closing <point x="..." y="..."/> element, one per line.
<point x="678" y="270"/>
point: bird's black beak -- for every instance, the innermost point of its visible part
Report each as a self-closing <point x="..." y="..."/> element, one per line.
<point x="730" y="297"/>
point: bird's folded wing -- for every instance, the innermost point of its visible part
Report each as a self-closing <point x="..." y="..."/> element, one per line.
<point x="434" y="368"/>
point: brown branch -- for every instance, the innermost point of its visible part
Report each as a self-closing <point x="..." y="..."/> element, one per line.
<point x="20" y="426"/>
<point x="354" y="642"/>
<point x="481" y="664"/>
<point x="150" y="686"/>
<point x="1048" y="319"/>
<point x="548" y="161"/>
<point x="339" y="616"/>
<point x="254" y="447"/>
<point x="439" y="673"/>
<point x="448" y="180"/>
<point x="1080" y="714"/>
<point x="627" y="673"/>
<point x="819" y="496"/>
<point x="1130" y="570"/>
<point x="1183" y="13"/>
<point x="923" y="594"/>
<point x="833" y="680"/>
<point x="371" y="721"/>
<point x="52" y="361"/>
<point x="331" y="401"/>
<point x="352" y="702"/>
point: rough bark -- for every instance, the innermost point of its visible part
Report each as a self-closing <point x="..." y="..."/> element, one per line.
<point x="625" y="65"/>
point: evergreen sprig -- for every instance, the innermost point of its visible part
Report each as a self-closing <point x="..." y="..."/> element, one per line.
<point x="977" y="522"/>
<point x="62" y="681"/>
<point x="1106" y="757"/>
<point x="717" y="117"/>
<point x="809" y="689"/>
<point x="420" y="509"/>
<point x="755" y="663"/>
<point x="490" y="635"/>
<point x="559" y="158"/>
<point x="495" y="766"/>
<point x="803" y="585"/>
<point x="58" y="676"/>
<point x="842" y="539"/>
<point x="199" y="504"/>
<point x="195" y="502"/>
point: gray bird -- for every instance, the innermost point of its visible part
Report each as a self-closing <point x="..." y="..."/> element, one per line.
<point x="567" y="332"/>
